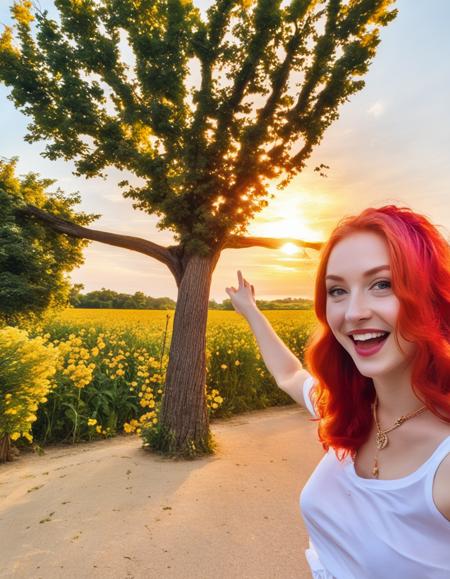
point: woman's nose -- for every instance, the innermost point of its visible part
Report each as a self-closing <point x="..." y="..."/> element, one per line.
<point x="357" y="308"/>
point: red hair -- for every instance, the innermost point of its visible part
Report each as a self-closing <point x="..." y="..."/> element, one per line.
<point x="420" y="266"/>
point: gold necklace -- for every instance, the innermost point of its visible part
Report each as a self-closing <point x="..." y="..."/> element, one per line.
<point x="381" y="439"/>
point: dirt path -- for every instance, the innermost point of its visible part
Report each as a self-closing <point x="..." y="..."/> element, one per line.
<point x="109" y="509"/>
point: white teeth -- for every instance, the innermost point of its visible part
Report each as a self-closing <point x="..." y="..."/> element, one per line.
<point x="368" y="336"/>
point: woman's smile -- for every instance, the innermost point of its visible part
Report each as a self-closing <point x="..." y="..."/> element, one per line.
<point x="370" y="347"/>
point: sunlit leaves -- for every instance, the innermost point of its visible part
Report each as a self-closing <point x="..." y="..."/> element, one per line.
<point x="21" y="11"/>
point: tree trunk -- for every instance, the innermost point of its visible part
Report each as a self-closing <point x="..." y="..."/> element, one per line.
<point x="5" y="448"/>
<point x="183" y="428"/>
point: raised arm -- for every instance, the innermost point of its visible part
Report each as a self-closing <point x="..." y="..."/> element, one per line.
<point x="287" y="370"/>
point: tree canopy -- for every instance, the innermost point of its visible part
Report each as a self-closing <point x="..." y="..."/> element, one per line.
<point x="34" y="260"/>
<point x="205" y="112"/>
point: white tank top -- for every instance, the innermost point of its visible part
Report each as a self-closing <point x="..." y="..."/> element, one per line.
<point x="374" y="529"/>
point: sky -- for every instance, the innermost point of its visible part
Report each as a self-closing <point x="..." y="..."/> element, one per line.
<point x="391" y="144"/>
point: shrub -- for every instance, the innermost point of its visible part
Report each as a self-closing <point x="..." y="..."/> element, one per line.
<point x="27" y="367"/>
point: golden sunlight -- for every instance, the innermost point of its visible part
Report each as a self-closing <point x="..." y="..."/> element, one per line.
<point x="290" y="248"/>
<point x="284" y="220"/>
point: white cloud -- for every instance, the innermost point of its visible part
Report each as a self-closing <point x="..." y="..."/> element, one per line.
<point x="377" y="109"/>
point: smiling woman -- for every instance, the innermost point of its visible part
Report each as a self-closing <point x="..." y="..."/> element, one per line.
<point x="380" y="356"/>
<point x="378" y="503"/>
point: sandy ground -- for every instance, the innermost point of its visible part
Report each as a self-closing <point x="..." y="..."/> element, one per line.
<point x="110" y="509"/>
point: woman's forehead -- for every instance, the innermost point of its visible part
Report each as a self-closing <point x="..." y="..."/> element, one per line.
<point x="358" y="252"/>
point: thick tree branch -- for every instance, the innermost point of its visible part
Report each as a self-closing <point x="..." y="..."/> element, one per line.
<point x="166" y="255"/>
<point x="170" y="256"/>
<point x="237" y="242"/>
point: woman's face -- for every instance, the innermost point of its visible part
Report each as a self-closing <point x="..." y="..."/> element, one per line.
<point x="361" y="301"/>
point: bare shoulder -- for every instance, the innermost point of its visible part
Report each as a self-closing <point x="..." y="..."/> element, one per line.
<point x="293" y="385"/>
<point x="441" y="486"/>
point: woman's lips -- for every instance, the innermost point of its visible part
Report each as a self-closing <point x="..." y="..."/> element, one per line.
<point x="367" y="350"/>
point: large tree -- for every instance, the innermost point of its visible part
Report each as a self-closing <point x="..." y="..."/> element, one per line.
<point x="206" y="111"/>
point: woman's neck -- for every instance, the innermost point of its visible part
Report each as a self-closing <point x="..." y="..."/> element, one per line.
<point x="395" y="398"/>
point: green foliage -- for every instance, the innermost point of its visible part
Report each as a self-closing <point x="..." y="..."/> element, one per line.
<point x="279" y="304"/>
<point x="33" y="258"/>
<point x="162" y="440"/>
<point x="105" y="298"/>
<point x="273" y="76"/>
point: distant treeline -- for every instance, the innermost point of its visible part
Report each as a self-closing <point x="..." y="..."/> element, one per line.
<point x="110" y="299"/>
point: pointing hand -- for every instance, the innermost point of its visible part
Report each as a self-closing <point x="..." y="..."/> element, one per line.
<point x="243" y="298"/>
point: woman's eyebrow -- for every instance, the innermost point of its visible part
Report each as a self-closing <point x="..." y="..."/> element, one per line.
<point x="365" y="274"/>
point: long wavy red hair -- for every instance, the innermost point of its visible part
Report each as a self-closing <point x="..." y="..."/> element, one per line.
<point x="420" y="268"/>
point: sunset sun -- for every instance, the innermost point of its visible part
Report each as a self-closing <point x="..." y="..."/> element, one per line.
<point x="290" y="248"/>
<point x="286" y="223"/>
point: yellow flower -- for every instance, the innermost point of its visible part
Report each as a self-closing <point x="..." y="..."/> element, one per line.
<point x="98" y="429"/>
<point x="15" y="435"/>
<point x="237" y="363"/>
<point x="224" y="366"/>
<point x="92" y="421"/>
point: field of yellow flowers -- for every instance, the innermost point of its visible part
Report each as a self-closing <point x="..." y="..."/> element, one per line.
<point x="95" y="373"/>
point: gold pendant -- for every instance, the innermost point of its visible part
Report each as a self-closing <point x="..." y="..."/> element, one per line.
<point x="381" y="440"/>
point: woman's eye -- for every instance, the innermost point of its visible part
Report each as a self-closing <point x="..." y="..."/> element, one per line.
<point x="335" y="289"/>
<point x="383" y="281"/>
<point x="332" y="291"/>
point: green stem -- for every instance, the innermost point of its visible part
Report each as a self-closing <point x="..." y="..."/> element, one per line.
<point x="76" y="416"/>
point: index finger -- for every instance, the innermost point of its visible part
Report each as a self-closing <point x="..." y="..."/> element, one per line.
<point x="240" y="278"/>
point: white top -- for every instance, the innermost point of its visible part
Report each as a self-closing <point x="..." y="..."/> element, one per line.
<point x="372" y="528"/>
